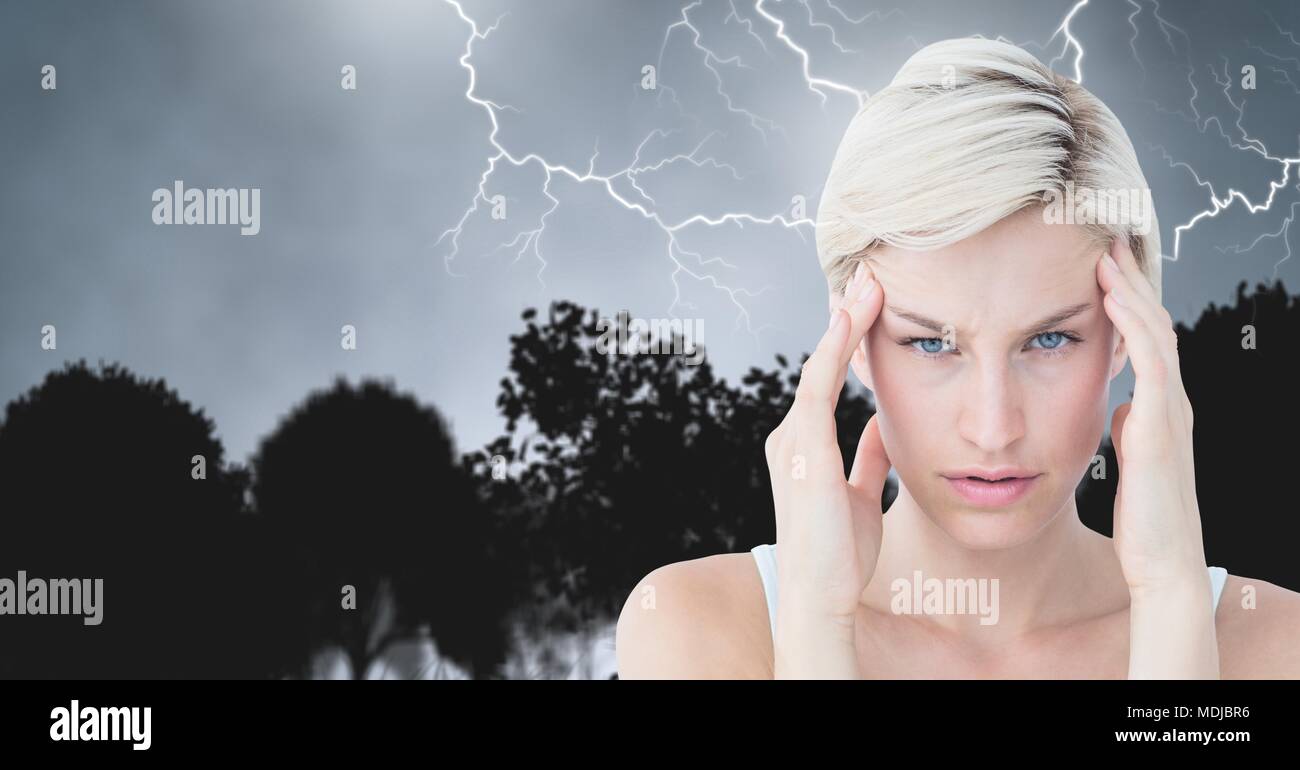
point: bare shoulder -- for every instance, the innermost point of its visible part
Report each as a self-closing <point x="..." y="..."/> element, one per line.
<point x="703" y="618"/>
<point x="1257" y="624"/>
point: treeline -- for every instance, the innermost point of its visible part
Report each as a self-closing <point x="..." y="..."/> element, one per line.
<point x="357" y="524"/>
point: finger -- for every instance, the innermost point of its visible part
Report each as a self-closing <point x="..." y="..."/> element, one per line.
<point x="841" y="302"/>
<point x="781" y="466"/>
<point x="1128" y="282"/>
<point x="871" y="463"/>
<point x="1112" y="278"/>
<point x="814" y="397"/>
<point x="1150" y="367"/>
<point x="1122" y="252"/>
<point x="826" y="369"/>
<point x="863" y="299"/>
<point x="824" y="372"/>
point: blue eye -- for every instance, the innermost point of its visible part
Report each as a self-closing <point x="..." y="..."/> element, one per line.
<point x="1051" y="339"/>
<point x="925" y="347"/>
<point x="1054" y="343"/>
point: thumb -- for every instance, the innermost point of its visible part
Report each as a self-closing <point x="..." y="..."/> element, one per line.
<point x="870" y="464"/>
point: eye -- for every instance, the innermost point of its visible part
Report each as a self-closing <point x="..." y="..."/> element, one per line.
<point x="1055" y="343"/>
<point x="925" y="347"/>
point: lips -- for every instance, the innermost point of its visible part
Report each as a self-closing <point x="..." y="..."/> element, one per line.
<point x="991" y="487"/>
<point x="992" y="474"/>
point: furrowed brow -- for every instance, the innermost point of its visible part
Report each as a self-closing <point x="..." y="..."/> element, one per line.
<point x="1062" y="315"/>
<point x="917" y="319"/>
<point x="1046" y="324"/>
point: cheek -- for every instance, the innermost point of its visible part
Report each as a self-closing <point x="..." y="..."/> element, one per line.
<point x="887" y="377"/>
<point x="1065" y="409"/>
<point x="908" y="390"/>
<point x="1064" y="401"/>
<point x="905" y="363"/>
<point x="1079" y="399"/>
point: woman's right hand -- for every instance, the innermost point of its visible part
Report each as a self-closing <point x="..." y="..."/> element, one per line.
<point x="828" y="528"/>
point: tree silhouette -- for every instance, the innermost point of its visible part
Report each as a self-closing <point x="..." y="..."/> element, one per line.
<point x="1245" y="414"/>
<point x="611" y="466"/>
<point x="95" y="477"/>
<point x="631" y="462"/>
<point x="634" y="461"/>
<point x="360" y="487"/>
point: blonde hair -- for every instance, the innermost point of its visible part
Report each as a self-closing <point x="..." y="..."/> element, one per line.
<point x="970" y="131"/>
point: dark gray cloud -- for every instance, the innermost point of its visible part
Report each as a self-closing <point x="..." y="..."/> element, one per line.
<point x="357" y="186"/>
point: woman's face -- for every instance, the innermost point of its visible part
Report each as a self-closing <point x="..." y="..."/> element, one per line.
<point x="1017" y="386"/>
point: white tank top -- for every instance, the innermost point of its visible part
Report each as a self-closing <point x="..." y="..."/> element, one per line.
<point x="765" y="557"/>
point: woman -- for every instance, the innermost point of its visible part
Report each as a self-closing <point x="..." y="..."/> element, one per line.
<point x="989" y="328"/>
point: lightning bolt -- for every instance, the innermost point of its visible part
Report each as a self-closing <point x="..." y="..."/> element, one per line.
<point x="814" y="23"/>
<point x="763" y="24"/>
<point x="1165" y="27"/>
<point x="1283" y="231"/>
<point x="710" y="59"/>
<point x="814" y="83"/>
<point x="1242" y="142"/>
<point x="747" y="24"/>
<point x="639" y="203"/>
<point x="1070" y="42"/>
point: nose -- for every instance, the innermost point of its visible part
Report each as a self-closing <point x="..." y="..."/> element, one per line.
<point x="992" y="414"/>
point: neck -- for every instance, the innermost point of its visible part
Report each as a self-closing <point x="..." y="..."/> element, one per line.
<point x="1062" y="574"/>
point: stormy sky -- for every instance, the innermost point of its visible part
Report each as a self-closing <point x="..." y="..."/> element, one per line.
<point x="671" y="202"/>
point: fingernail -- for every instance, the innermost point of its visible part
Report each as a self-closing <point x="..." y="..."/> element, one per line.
<point x="857" y="274"/>
<point x="1111" y="261"/>
<point x="865" y="291"/>
<point x="1114" y="294"/>
<point x="837" y="318"/>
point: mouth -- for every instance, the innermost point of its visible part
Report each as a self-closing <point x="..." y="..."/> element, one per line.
<point x="991" y="489"/>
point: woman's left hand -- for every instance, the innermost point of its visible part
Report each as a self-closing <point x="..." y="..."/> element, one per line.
<point x="1157" y="520"/>
<point x="1157" y="526"/>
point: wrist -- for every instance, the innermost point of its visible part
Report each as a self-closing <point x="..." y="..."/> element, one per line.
<point x="1194" y="588"/>
<point x="813" y="608"/>
<point x="809" y="643"/>
<point x="1172" y="633"/>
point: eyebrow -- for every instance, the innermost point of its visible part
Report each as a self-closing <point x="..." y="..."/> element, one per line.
<point x="1043" y="325"/>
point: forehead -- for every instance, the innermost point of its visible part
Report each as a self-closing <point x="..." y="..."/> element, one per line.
<point x="1006" y="275"/>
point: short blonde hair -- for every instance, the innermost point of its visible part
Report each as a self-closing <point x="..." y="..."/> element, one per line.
<point x="970" y="131"/>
